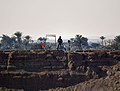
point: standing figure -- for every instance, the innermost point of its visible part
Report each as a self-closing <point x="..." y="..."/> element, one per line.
<point x="60" y="41"/>
<point x="43" y="46"/>
<point x="69" y="45"/>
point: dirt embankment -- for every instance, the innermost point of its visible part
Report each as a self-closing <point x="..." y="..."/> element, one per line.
<point x="44" y="70"/>
<point x="111" y="82"/>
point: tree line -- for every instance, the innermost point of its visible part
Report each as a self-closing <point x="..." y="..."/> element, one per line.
<point x="18" y="42"/>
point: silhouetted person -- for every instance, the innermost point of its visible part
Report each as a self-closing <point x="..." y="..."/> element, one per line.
<point x="60" y="41"/>
<point x="69" y="45"/>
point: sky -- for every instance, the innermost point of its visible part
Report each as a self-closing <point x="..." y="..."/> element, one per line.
<point x="65" y="18"/>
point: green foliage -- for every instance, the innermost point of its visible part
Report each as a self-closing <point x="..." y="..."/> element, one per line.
<point x="7" y="42"/>
<point x="18" y="36"/>
<point x="26" y="41"/>
<point x="117" y="39"/>
<point x="42" y="39"/>
<point x="95" y="45"/>
<point x="102" y="38"/>
<point x="27" y="37"/>
<point x="80" y="42"/>
<point x="15" y="42"/>
<point x="116" y="44"/>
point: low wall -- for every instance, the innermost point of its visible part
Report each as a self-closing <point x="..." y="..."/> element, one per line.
<point x="33" y="60"/>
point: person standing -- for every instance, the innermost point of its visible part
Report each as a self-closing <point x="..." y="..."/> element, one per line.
<point x="43" y="46"/>
<point x="60" y="41"/>
<point x="69" y="45"/>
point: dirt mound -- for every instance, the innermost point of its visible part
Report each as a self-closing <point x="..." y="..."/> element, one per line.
<point x="102" y="78"/>
<point x="111" y="82"/>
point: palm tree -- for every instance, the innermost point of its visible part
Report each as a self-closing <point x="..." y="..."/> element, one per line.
<point x="102" y="38"/>
<point x="28" y="38"/>
<point x="117" y="42"/>
<point x="42" y="39"/>
<point x="117" y="39"/>
<point x="18" y="35"/>
<point x="26" y="41"/>
<point x="78" y="41"/>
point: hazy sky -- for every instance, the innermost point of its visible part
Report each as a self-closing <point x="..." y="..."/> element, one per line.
<point x="62" y="17"/>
